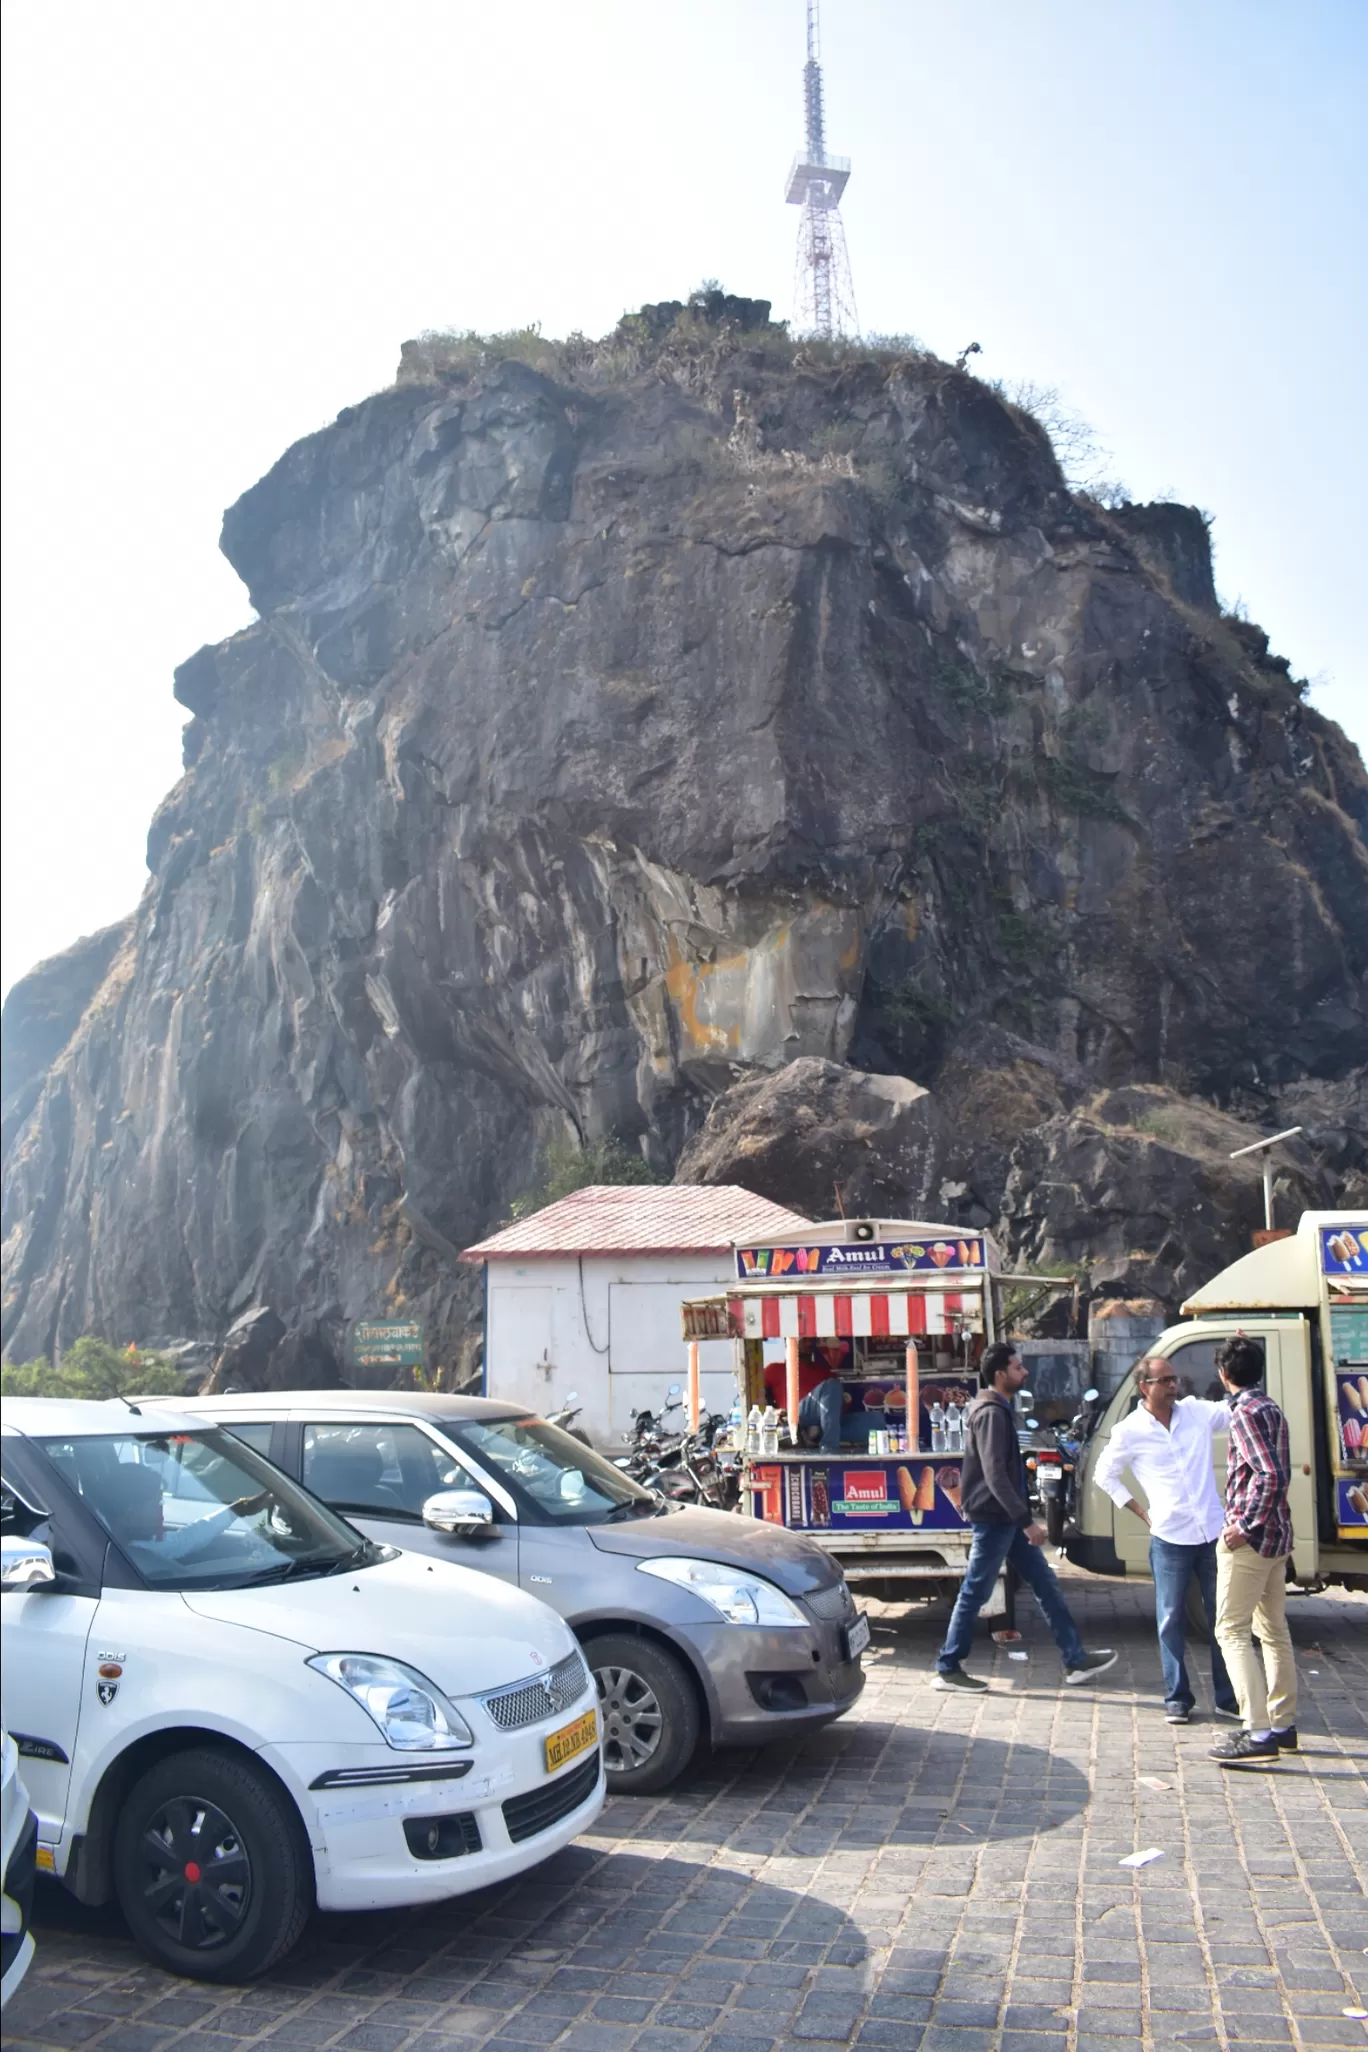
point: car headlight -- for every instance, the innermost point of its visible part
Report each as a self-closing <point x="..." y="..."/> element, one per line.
<point x="411" y="1713"/>
<point x="741" y="1598"/>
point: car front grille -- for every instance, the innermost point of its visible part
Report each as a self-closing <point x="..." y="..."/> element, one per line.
<point x="835" y="1605"/>
<point x="526" y="1815"/>
<point x="540" y="1696"/>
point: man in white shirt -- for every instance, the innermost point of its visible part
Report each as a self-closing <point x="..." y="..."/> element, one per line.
<point x="1165" y="1446"/>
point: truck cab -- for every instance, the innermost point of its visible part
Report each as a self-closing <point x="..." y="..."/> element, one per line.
<point x="1304" y="1299"/>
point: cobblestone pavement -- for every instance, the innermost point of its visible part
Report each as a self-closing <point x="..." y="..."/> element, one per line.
<point x="930" y="1873"/>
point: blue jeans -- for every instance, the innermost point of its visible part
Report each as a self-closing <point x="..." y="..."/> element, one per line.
<point x="996" y="1547"/>
<point x="1173" y="1566"/>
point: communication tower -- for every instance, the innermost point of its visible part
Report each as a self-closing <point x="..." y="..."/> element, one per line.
<point x="823" y="297"/>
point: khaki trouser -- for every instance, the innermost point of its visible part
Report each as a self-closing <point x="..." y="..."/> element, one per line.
<point x="1251" y="1590"/>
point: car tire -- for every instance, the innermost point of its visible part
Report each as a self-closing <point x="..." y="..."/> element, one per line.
<point x="234" y="1921"/>
<point x="648" y="1710"/>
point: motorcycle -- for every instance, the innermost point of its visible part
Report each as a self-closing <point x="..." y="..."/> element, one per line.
<point x="566" y="1417"/>
<point x="684" y="1466"/>
<point x="1054" y="1455"/>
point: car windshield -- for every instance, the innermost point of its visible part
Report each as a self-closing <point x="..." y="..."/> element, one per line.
<point x="553" y="1477"/>
<point x="200" y="1510"/>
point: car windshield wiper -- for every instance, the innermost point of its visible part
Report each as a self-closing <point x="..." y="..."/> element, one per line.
<point x="289" y="1570"/>
<point x="635" y="1507"/>
<point x="364" y="1555"/>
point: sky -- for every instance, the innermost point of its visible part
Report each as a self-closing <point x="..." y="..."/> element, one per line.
<point x="221" y="221"/>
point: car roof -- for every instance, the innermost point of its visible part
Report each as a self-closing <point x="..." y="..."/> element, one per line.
<point x="384" y="1403"/>
<point x="83" y="1418"/>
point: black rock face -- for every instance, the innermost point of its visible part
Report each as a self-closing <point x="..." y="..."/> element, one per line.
<point x="613" y="736"/>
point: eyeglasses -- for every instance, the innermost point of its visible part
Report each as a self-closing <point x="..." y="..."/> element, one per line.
<point x="1159" y="1381"/>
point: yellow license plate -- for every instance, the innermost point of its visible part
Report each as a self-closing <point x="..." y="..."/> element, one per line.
<point x="571" y="1739"/>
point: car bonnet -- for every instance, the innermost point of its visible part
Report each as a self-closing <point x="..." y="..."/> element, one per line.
<point x="465" y="1631"/>
<point x="798" y="1565"/>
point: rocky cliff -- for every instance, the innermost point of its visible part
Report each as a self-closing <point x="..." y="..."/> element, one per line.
<point x="753" y="752"/>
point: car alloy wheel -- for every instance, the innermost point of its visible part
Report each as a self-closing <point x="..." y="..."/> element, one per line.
<point x="196" y="1875"/>
<point x="632" y="1719"/>
<point x="648" y="1708"/>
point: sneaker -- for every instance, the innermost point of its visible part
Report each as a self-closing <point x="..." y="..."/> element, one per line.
<point x="1286" y="1741"/>
<point x="1177" y="1713"/>
<point x="1242" y="1749"/>
<point x="957" y="1679"/>
<point x="1227" y="1716"/>
<point x="1091" y="1665"/>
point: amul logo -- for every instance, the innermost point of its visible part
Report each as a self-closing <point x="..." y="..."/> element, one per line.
<point x="863" y="1487"/>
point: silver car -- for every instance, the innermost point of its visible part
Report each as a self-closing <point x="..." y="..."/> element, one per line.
<point x="697" y="1623"/>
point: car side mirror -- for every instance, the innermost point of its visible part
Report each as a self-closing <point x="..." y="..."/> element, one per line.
<point x="1090" y="1396"/>
<point x="1033" y="1424"/>
<point x="462" y="1511"/>
<point x="25" y="1564"/>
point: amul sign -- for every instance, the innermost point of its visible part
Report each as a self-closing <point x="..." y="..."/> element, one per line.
<point x="387" y="1343"/>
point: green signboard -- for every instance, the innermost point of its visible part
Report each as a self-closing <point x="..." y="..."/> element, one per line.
<point x="387" y="1343"/>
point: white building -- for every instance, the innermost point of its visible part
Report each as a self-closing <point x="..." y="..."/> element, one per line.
<point x="585" y="1296"/>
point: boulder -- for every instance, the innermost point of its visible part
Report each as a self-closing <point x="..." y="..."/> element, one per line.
<point x="824" y="1139"/>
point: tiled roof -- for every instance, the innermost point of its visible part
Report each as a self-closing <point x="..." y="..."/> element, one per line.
<point x="636" y="1218"/>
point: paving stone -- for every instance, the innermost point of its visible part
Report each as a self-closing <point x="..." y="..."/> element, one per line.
<point x="825" y="1894"/>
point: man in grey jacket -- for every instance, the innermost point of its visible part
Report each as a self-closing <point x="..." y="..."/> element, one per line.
<point x="993" y="1499"/>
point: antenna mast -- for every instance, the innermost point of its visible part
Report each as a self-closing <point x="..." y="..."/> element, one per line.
<point x="824" y="298"/>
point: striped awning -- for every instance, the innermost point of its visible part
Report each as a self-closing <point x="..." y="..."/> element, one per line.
<point x="863" y="1314"/>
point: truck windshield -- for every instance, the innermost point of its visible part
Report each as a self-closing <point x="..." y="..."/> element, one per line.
<point x="554" y="1478"/>
<point x="199" y="1510"/>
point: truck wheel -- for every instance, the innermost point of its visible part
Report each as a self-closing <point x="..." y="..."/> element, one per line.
<point x="1054" y="1520"/>
<point x="649" y="1713"/>
<point x="211" y="1867"/>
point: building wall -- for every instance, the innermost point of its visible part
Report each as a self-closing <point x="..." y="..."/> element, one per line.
<point x="615" y="1339"/>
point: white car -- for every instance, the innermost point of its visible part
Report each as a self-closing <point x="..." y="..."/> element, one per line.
<point x="17" y="1864"/>
<point x="231" y="1705"/>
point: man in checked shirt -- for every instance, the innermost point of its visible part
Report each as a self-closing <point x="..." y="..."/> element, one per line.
<point x="1251" y="1566"/>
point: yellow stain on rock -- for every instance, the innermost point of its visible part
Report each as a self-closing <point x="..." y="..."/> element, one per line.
<point x="686" y="984"/>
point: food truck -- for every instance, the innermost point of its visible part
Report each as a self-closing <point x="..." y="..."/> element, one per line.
<point x="890" y="1317"/>
<point x="1303" y="1298"/>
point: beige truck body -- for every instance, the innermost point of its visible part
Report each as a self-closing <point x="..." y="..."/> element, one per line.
<point x="1305" y="1299"/>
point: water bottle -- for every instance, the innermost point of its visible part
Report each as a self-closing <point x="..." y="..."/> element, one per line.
<point x="954" y="1435"/>
<point x="737" y="1425"/>
<point x="769" y="1433"/>
<point x="753" y="1433"/>
<point x="937" y="1429"/>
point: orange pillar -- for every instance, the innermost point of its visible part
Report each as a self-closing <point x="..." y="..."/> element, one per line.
<point x="695" y="1395"/>
<point x="913" y="1399"/>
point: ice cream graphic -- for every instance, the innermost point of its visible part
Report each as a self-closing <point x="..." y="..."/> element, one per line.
<point x="1358" y="1500"/>
<point x="950" y="1487"/>
<point x="919" y="1497"/>
<point x="942" y="1253"/>
<point x="1355" y="1400"/>
<point x="1363" y="1391"/>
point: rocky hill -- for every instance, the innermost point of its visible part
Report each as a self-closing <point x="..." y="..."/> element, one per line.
<point x="753" y="752"/>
